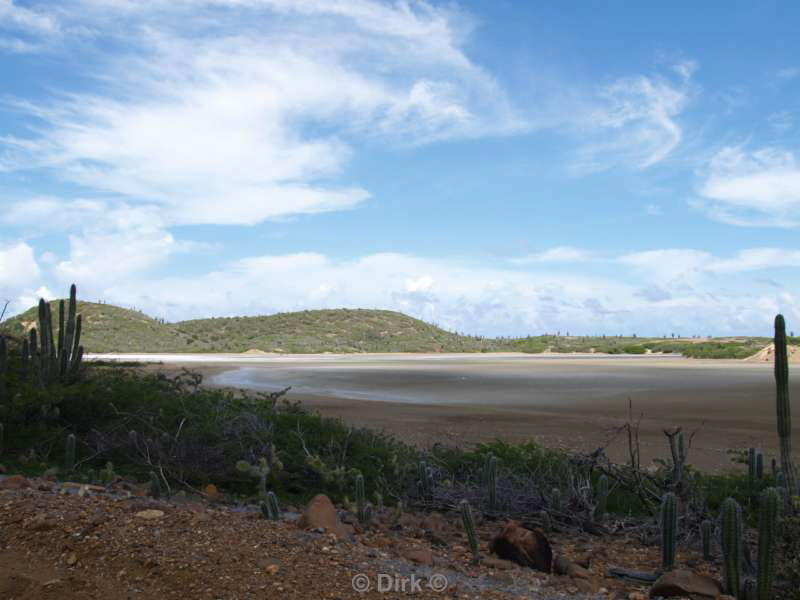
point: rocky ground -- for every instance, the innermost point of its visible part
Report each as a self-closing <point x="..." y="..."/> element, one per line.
<point x="73" y="541"/>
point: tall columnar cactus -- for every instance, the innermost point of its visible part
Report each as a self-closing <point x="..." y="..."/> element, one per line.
<point x="2" y="436"/>
<point x="669" y="530"/>
<point x="602" y="498"/>
<point x="767" y="533"/>
<point x="469" y="528"/>
<point x="732" y="546"/>
<point x="59" y="359"/>
<point x="751" y="465"/>
<point x="69" y="453"/>
<point x="783" y="410"/>
<point x="490" y="475"/>
<point x="707" y="531"/>
<point x="270" y="508"/>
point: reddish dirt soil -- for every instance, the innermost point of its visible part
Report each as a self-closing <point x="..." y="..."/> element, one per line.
<point x="55" y="543"/>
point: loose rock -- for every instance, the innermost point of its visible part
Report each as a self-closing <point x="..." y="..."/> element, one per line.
<point x="685" y="583"/>
<point x="526" y="547"/>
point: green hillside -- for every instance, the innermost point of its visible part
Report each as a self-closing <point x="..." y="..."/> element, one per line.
<point x="109" y="328"/>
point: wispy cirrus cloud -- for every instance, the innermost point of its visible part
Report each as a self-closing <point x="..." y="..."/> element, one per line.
<point x="633" y="121"/>
<point x="251" y="114"/>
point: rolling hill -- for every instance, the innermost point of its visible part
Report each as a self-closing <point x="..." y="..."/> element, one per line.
<point x="109" y="328"/>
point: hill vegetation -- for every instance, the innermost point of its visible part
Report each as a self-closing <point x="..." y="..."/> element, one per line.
<point x="109" y="328"/>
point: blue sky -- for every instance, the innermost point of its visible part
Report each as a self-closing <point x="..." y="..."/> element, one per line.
<point x="501" y="167"/>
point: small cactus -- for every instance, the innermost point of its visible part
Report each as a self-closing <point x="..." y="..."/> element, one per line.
<point x="270" y="508"/>
<point x="69" y="453"/>
<point x="555" y="499"/>
<point x="490" y="475"/>
<point x="155" y="485"/>
<point x="669" y="530"/>
<point x="107" y="475"/>
<point x="732" y="546"/>
<point x="767" y="534"/>
<point x="425" y="481"/>
<point x="547" y="523"/>
<point x="259" y="471"/>
<point x="469" y="527"/>
<point x="707" y="530"/>
<point x="602" y="498"/>
<point x="361" y="500"/>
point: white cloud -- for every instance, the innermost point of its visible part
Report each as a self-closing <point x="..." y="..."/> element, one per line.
<point x="25" y="19"/>
<point x="19" y="276"/>
<point x="682" y="289"/>
<point x="683" y="266"/>
<point x="480" y="299"/>
<point x="653" y="210"/>
<point x="554" y="255"/>
<point x="758" y="188"/>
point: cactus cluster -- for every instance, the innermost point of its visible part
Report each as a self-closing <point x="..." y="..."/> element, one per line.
<point x="669" y="530"/>
<point x="469" y="528"/>
<point x="783" y="411"/>
<point x="56" y="360"/>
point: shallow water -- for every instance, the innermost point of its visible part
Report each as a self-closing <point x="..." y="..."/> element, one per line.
<point x="508" y="381"/>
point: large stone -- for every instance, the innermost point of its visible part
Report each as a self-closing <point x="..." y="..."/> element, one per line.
<point x="321" y="514"/>
<point x="523" y="546"/>
<point x="683" y="583"/>
<point x="15" y="482"/>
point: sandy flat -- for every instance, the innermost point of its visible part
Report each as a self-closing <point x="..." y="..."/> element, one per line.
<point x="570" y="401"/>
